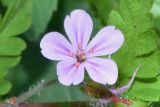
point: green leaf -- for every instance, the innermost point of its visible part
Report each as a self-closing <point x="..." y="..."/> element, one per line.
<point x="140" y="39"/>
<point x="16" y="21"/>
<point x="0" y="18"/>
<point x="7" y="2"/>
<point x="136" y="26"/>
<point x="41" y="14"/>
<point x="5" y="86"/>
<point x="155" y="8"/>
<point x="103" y="7"/>
<point x="146" y="90"/>
<point x="2" y="72"/>
<point x="150" y="65"/>
<point x="140" y="46"/>
<point x="115" y="18"/>
<point x="7" y="62"/>
<point x="11" y="46"/>
<point x="156" y="14"/>
<point x="133" y="18"/>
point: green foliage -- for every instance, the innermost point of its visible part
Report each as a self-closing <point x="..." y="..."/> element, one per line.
<point x="155" y="8"/>
<point x="4" y="86"/>
<point x="16" y="21"/>
<point x="41" y="14"/>
<point x="8" y="2"/>
<point x="136" y="25"/>
<point x="148" y="90"/>
<point x="42" y="11"/>
<point x="102" y="8"/>
<point x="156" y="14"/>
<point x="140" y="46"/>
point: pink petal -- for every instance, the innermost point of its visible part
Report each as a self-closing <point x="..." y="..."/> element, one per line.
<point x="55" y="47"/>
<point x="69" y="74"/>
<point x="102" y="70"/>
<point x="78" y="27"/>
<point x="107" y="41"/>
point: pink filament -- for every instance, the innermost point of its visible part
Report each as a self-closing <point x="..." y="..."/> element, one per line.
<point x="70" y="54"/>
<point x="77" y="64"/>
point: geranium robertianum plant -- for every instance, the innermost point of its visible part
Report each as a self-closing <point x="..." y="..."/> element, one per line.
<point x="78" y="54"/>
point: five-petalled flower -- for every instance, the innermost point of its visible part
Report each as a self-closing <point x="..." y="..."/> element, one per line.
<point x="78" y="55"/>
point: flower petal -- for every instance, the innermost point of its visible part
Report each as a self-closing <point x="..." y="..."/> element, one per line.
<point x="68" y="73"/>
<point x="102" y="70"/>
<point x="78" y="27"/>
<point x="55" y="47"/>
<point x="107" y="41"/>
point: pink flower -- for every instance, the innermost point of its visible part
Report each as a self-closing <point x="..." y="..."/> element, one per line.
<point x="79" y="55"/>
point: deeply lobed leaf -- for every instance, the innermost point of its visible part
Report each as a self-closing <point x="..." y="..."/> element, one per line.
<point x="41" y="14"/>
<point x="140" y="47"/>
<point x="16" y="21"/>
<point x="133" y="18"/>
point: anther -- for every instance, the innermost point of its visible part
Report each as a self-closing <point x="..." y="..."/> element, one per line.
<point x="80" y="46"/>
<point x="81" y="56"/>
<point x="91" y="50"/>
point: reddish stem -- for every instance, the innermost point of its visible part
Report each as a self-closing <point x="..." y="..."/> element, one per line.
<point x="124" y="101"/>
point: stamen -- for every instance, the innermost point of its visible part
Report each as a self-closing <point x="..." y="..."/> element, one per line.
<point x="81" y="56"/>
<point x="80" y="46"/>
<point x="91" y="50"/>
<point x="77" y="64"/>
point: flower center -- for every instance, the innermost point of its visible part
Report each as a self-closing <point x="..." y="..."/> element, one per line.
<point x="80" y="56"/>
